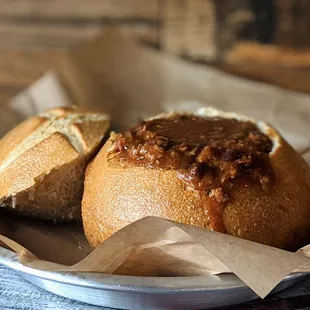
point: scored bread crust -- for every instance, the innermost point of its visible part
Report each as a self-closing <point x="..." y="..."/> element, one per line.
<point x="116" y="195"/>
<point x="43" y="162"/>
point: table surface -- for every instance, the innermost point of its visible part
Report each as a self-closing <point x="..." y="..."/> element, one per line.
<point x="17" y="293"/>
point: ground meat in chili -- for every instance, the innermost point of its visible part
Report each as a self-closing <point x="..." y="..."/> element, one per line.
<point x="209" y="154"/>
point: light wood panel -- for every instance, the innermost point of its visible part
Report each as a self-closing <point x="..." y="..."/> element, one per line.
<point x="79" y="10"/>
<point x="188" y="28"/>
<point x="62" y="23"/>
<point x="31" y="36"/>
<point x="18" y="69"/>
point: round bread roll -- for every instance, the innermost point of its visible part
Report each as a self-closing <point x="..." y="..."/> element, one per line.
<point x="43" y="162"/>
<point x="214" y="170"/>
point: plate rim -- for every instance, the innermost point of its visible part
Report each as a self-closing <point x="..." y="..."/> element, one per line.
<point x="162" y="285"/>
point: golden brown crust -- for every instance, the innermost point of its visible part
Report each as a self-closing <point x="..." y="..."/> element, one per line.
<point x="282" y="218"/>
<point x="42" y="162"/>
<point x="16" y="135"/>
<point x="49" y="154"/>
<point x="90" y="133"/>
<point x="116" y="195"/>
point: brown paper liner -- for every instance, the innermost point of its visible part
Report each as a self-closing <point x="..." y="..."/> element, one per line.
<point x="152" y="247"/>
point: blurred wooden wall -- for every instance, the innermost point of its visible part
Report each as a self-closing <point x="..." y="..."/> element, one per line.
<point x="62" y="23"/>
<point x="240" y="36"/>
<point x="204" y="29"/>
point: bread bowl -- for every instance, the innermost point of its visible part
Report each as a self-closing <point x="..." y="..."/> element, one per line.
<point x="43" y="161"/>
<point x="251" y="183"/>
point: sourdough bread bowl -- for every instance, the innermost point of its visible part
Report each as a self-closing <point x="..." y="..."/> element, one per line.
<point x="249" y="183"/>
<point x="43" y="162"/>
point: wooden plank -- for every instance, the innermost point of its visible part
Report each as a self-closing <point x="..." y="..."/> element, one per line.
<point x="248" y="53"/>
<point x="188" y="28"/>
<point x="61" y="24"/>
<point x="64" y="36"/>
<point x="6" y="93"/>
<point x="18" y="69"/>
<point x="79" y="9"/>
<point x="293" y="23"/>
<point x="289" y="78"/>
<point x="208" y="30"/>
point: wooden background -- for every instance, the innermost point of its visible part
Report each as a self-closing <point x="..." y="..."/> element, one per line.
<point x="34" y="35"/>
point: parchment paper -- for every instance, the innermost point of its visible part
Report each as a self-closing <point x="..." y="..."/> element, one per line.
<point x="130" y="82"/>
